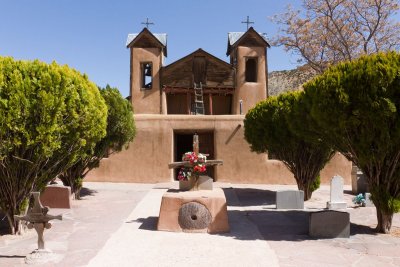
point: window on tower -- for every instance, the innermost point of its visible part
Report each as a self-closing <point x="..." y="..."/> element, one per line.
<point x="147" y="75"/>
<point x="251" y="69"/>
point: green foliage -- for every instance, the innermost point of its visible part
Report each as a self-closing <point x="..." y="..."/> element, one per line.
<point x="315" y="184"/>
<point x="356" y="107"/>
<point x="49" y="116"/>
<point x="120" y="124"/>
<point x="267" y="129"/>
<point x="120" y="132"/>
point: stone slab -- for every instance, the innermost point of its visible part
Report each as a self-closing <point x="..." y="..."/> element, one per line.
<point x="329" y="224"/>
<point x="290" y="199"/>
<point x="178" y="208"/>
<point x="56" y="196"/>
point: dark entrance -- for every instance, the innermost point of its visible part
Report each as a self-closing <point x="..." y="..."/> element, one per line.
<point x="183" y="142"/>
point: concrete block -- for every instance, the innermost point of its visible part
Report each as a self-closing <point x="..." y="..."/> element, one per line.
<point x="56" y="196"/>
<point x="329" y="224"/>
<point x="205" y="182"/>
<point x="290" y="199"/>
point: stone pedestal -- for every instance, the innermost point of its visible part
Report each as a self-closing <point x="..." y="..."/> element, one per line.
<point x="56" y="196"/>
<point x="202" y="211"/>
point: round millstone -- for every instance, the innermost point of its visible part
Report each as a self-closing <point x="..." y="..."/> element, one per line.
<point x="194" y="216"/>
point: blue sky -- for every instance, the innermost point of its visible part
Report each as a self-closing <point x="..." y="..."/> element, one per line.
<point x="90" y="35"/>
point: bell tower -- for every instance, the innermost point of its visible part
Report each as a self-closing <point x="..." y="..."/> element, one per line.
<point x="147" y="52"/>
<point x="248" y="54"/>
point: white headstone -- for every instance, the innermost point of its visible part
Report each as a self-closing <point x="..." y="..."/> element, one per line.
<point x="337" y="199"/>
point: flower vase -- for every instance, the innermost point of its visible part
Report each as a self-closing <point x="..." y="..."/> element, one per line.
<point x="189" y="185"/>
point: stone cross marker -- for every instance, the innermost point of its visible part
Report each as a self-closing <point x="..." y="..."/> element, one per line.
<point x="204" y="182"/>
<point x="336" y="195"/>
<point x="39" y="219"/>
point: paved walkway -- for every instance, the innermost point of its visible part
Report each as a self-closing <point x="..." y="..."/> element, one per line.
<point x="115" y="226"/>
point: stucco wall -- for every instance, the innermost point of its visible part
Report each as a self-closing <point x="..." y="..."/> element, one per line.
<point x="145" y="101"/>
<point x="148" y="156"/>
<point x="250" y="92"/>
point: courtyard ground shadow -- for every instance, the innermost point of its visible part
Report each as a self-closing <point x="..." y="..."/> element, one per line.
<point x="249" y="197"/>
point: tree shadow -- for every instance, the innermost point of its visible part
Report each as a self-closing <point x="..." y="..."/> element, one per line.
<point x="87" y="192"/>
<point x="249" y="197"/>
<point x="274" y="225"/>
<point x="12" y="256"/>
<point x="149" y="223"/>
<point x="356" y="229"/>
<point x="278" y="225"/>
<point x="4" y="228"/>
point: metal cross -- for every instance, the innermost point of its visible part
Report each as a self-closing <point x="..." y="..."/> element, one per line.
<point x="147" y="23"/>
<point x="248" y="22"/>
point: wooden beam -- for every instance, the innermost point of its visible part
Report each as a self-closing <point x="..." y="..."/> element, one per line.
<point x="188" y="103"/>
<point x="210" y="103"/>
<point x="178" y="164"/>
<point x="214" y="91"/>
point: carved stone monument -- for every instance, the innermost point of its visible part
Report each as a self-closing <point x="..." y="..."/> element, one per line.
<point x="337" y="199"/>
<point x="39" y="219"/>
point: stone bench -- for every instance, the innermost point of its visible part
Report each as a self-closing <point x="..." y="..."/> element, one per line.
<point x="329" y="224"/>
<point x="56" y="196"/>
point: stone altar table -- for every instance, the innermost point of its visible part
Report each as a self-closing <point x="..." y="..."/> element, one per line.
<point x="195" y="211"/>
<point x="202" y="211"/>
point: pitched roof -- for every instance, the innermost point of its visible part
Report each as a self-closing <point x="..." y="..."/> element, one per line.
<point x="161" y="38"/>
<point x="234" y="38"/>
<point x="198" y="51"/>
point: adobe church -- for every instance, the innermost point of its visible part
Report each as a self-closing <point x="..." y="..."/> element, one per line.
<point x="202" y="94"/>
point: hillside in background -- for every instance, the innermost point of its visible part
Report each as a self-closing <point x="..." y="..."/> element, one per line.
<point x="288" y="80"/>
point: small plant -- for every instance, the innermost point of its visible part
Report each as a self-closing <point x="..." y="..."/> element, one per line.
<point x="359" y="200"/>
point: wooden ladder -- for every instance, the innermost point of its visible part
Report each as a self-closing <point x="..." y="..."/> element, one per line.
<point x="198" y="99"/>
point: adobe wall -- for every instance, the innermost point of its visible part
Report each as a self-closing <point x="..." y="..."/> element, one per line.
<point x="250" y="92"/>
<point x="146" y="160"/>
<point x="145" y="101"/>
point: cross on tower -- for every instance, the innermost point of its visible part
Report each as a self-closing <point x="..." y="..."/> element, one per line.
<point x="248" y="22"/>
<point x="147" y="23"/>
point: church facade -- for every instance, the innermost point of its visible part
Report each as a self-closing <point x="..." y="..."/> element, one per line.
<point x="201" y="94"/>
